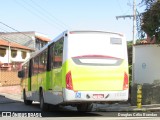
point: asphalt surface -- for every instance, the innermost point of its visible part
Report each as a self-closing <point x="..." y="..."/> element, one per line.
<point x="120" y="107"/>
<point x="14" y="104"/>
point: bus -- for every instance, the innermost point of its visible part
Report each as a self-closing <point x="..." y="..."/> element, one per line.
<point x="77" y="68"/>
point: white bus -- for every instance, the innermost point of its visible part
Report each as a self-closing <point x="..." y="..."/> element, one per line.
<point x="78" y="68"/>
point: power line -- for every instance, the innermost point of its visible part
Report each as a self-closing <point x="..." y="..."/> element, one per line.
<point x="38" y="15"/>
<point x="4" y="30"/>
<point x="124" y="12"/>
<point x="41" y="18"/>
<point x="25" y="44"/>
<point x="14" y="29"/>
<point x="119" y="5"/>
<point x="134" y="20"/>
<point x="6" y="38"/>
<point x="51" y="15"/>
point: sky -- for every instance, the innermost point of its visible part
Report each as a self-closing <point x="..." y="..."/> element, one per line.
<point x="52" y="17"/>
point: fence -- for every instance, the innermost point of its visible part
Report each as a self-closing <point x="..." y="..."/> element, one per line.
<point x="8" y="77"/>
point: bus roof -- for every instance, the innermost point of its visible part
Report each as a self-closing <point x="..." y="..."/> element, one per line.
<point x="91" y="31"/>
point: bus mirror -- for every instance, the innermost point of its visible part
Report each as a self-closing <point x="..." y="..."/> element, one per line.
<point x="21" y="74"/>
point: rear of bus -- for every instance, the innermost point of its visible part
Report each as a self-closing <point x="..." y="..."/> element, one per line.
<point x="95" y="67"/>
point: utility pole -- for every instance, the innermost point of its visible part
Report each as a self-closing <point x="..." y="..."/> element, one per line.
<point x="134" y="35"/>
<point x="134" y="20"/>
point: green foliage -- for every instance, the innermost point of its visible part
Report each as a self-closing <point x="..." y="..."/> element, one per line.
<point x="130" y="74"/>
<point x="58" y="48"/>
<point x="129" y="47"/>
<point x="151" y="19"/>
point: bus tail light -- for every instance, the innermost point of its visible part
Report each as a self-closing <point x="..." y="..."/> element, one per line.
<point x="125" y="82"/>
<point x="69" y="81"/>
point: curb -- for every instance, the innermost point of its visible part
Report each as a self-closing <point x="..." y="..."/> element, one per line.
<point x="121" y="108"/>
<point x="14" y="97"/>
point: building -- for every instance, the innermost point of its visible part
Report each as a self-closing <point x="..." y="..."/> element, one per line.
<point x="15" y="48"/>
<point x="12" y="55"/>
<point x="29" y="39"/>
<point x="146" y="72"/>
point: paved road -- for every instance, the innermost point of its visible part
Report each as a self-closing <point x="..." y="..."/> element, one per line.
<point x="8" y="104"/>
<point x="67" y="112"/>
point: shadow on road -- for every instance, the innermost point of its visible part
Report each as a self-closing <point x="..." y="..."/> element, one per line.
<point x="62" y="111"/>
<point x="5" y="100"/>
<point x="15" y="106"/>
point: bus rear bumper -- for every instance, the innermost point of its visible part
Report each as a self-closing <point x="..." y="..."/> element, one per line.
<point x="94" y="96"/>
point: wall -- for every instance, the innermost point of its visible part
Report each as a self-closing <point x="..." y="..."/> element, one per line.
<point x="147" y="73"/>
<point x="9" y="78"/>
<point x="18" y="58"/>
<point x="8" y="75"/>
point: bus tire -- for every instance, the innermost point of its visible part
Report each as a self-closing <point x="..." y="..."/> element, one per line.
<point x="43" y="106"/>
<point x="26" y="102"/>
<point x="85" y="107"/>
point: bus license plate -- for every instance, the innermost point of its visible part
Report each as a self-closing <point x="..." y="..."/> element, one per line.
<point x="98" y="96"/>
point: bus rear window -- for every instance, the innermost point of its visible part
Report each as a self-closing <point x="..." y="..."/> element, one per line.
<point x="115" y="40"/>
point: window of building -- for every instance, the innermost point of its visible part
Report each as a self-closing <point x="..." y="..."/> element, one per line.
<point x="37" y="44"/>
<point x="13" y="53"/>
<point x="2" y="52"/>
<point x="43" y="44"/>
<point x="24" y="54"/>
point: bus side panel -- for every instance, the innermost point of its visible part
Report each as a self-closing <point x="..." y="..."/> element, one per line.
<point x="48" y="80"/>
<point x="24" y="83"/>
<point x="54" y="94"/>
<point x="34" y="83"/>
<point x="57" y="79"/>
<point x="41" y="81"/>
<point x="65" y="70"/>
<point x="29" y="84"/>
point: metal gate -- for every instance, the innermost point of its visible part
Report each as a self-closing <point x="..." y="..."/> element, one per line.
<point x="8" y="76"/>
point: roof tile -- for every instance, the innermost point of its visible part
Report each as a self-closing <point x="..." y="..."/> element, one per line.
<point x="13" y="45"/>
<point x="43" y="38"/>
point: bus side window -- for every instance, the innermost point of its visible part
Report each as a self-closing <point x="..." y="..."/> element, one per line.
<point x="43" y="61"/>
<point x="35" y="65"/>
<point x="51" y="55"/>
<point x="25" y="68"/>
<point x="58" y="53"/>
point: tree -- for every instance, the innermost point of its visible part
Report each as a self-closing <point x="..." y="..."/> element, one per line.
<point x="129" y="48"/>
<point x="151" y="19"/>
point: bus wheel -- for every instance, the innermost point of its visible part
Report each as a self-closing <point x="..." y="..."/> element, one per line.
<point x="85" y="107"/>
<point x="26" y="102"/>
<point x="43" y="106"/>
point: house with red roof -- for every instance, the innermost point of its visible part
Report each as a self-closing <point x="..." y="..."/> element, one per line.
<point x="29" y="39"/>
<point x="15" y="48"/>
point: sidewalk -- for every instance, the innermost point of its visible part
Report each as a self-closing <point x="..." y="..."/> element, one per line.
<point x="5" y="97"/>
<point x="127" y="108"/>
<point x="9" y="94"/>
<point x="11" y="89"/>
